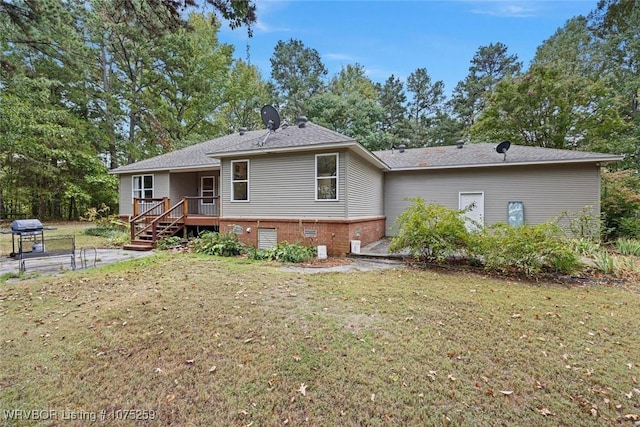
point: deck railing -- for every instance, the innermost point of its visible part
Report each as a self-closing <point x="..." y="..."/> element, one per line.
<point x="158" y="219"/>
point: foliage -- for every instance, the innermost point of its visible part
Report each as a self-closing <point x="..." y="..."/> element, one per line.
<point x="620" y="204"/>
<point x="219" y="244"/>
<point x="285" y="252"/>
<point x="297" y="72"/>
<point x="104" y="221"/>
<point x="525" y="249"/>
<point x="628" y="246"/>
<point x="168" y="243"/>
<point x="489" y="66"/>
<point x="430" y="231"/>
<point x="585" y="225"/>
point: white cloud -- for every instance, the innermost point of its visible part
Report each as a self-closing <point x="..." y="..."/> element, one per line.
<point x="338" y="57"/>
<point x="505" y="9"/>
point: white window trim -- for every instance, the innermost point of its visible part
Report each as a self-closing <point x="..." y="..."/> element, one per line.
<point x="141" y="190"/>
<point x="337" y="156"/>
<point x="248" y="180"/>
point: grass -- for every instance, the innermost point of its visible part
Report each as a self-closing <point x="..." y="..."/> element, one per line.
<point x="76" y="229"/>
<point x="211" y="341"/>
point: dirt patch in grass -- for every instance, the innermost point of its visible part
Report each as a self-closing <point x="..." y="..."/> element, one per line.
<point x="193" y="340"/>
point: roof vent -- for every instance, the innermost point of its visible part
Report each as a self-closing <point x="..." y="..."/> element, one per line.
<point x="460" y="143"/>
<point x="243" y="131"/>
<point x="302" y="121"/>
<point x="401" y="148"/>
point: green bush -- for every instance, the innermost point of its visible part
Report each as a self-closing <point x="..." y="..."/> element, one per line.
<point x="430" y="231"/>
<point x="525" y="249"/>
<point x="220" y="244"/>
<point x="284" y="252"/>
<point x="106" y="225"/>
<point x="168" y="243"/>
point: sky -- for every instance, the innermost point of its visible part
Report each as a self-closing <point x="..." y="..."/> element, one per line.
<point x="397" y="37"/>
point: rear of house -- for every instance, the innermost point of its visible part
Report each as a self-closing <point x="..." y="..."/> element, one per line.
<point x="529" y="185"/>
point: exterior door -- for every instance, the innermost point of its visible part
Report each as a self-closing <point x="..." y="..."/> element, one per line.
<point x="208" y="192"/>
<point x="476" y="213"/>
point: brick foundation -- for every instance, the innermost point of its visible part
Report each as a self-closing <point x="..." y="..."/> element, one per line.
<point x="335" y="234"/>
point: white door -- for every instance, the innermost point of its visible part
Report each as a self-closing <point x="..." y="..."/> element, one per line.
<point x="476" y="213"/>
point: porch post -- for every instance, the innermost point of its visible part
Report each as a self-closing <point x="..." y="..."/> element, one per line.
<point x="135" y="207"/>
<point x="185" y="207"/>
<point x="166" y="204"/>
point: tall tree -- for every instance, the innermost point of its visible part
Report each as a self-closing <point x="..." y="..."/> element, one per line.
<point x="349" y="106"/>
<point x="489" y="65"/>
<point x="546" y="108"/>
<point x="392" y="98"/>
<point x="245" y="95"/>
<point x="426" y="102"/>
<point x="297" y="73"/>
<point x="187" y="86"/>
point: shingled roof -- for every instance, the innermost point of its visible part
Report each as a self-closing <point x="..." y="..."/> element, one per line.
<point x="482" y="155"/>
<point x="314" y="137"/>
<point x="206" y="154"/>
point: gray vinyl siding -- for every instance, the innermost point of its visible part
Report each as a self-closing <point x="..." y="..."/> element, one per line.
<point x="546" y="191"/>
<point x="283" y="186"/>
<point x="364" y="188"/>
<point x="184" y="185"/>
<point x="125" y="201"/>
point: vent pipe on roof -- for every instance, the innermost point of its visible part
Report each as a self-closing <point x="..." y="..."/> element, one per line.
<point x="242" y="131"/>
<point x="401" y="148"/>
<point x="302" y="121"/>
<point x="460" y="143"/>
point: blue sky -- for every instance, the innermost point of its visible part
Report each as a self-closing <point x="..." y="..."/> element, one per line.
<point x="397" y="37"/>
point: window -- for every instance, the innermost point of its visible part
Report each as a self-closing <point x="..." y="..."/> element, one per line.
<point x="327" y="176"/>
<point x="240" y="180"/>
<point x="515" y="213"/>
<point x="142" y="186"/>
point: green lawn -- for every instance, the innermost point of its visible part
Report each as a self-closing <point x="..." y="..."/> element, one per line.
<point x="190" y="340"/>
<point x="76" y="229"/>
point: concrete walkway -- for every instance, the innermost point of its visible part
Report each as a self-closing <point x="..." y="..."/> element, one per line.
<point x="85" y="258"/>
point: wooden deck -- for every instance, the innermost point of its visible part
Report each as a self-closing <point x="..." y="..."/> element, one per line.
<point x="155" y="219"/>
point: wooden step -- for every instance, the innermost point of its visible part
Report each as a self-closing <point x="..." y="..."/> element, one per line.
<point x="138" y="245"/>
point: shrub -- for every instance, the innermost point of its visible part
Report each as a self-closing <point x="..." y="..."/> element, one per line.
<point x="168" y="243"/>
<point x="220" y="244"/>
<point x="106" y="225"/>
<point x="525" y="249"/>
<point x="430" y="231"/>
<point x="284" y="252"/>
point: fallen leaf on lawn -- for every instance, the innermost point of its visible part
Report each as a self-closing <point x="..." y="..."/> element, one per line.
<point x="636" y="390"/>
<point x="632" y="417"/>
<point x="594" y="412"/>
<point x="189" y="361"/>
<point x="634" y="379"/>
<point x="170" y="398"/>
<point x="516" y="316"/>
<point x="303" y="389"/>
<point x="485" y="379"/>
<point x="158" y="370"/>
<point x="629" y="395"/>
<point x="506" y="392"/>
<point x="373" y="397"/>
<point x="545" y="412"/>
<point x="451" y="377"/>
<point x="432" y="375"/>
<point x="297" y="357"/>
<point x="213" y="368"/>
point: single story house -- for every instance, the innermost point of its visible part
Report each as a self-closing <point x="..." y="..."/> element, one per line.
<point x="306" y="183"/>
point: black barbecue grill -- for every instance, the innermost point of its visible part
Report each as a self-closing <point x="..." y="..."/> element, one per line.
<point x="29" y="234"/>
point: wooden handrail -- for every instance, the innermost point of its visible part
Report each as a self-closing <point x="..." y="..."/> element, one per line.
<point x="133" y="223"/>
